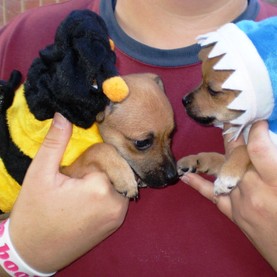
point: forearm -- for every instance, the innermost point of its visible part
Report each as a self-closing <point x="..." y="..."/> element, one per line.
<point x="3" y="273"/>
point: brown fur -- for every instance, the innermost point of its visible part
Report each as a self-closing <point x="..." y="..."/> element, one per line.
<point x="136" y="134"/>
<point x="208" y="105"/>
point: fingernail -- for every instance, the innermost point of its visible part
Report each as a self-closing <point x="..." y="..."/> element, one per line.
<point x="185" y="179"/>
<point x="59" y="121"/>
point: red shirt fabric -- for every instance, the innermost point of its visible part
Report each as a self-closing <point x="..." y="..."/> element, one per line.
<point x="172" y="231"/>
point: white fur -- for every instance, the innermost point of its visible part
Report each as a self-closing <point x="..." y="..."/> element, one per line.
<point x="224" y="184"/>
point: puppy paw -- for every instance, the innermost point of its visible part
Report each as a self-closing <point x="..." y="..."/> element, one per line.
<point x="225" y="184"/>
<point x="124" y="180"/>
<point x="187" y="164"/>
<point x="204" y="162"/>
<point x="129" y="189"/>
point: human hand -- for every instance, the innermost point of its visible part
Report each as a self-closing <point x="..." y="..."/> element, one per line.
<point x="252" y="205"/>
<point x="56" y="219"/>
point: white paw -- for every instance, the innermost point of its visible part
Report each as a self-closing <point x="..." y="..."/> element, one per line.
<point x="224" y="184"/>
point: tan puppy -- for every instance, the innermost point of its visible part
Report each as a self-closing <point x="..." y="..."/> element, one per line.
<point x="208" y="105"/>
<point x="136" y="133"/>
<point x="239" y="87"/>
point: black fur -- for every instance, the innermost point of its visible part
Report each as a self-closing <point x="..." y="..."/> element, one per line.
<point x="61" y="78"/>
<point x="15" y="161"/>
<point x="7" y="90"/>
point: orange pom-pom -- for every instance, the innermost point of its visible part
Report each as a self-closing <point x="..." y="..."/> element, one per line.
<point x="115" y="89"/>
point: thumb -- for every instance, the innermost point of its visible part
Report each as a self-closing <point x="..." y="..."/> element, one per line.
<point x="262" y="152"/>
<point x="49" y="156"/>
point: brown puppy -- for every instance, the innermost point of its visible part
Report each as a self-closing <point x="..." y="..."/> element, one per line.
<point x="239" y="87"/>
<point x="208" y="105"/>
<point x="137" y="136"/>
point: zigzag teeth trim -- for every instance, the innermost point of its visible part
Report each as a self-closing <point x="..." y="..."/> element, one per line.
<point x="225" y="63"/>
<point x="217" y="51"/>
<point x="236" y="81"/>
<point x="236" y="135"/>
<point x="242" y="119"/>
<point x="239" y="103"/>
<point x="201" y="40"/>
<point x="236" y="130"/>
<point x="230" y="130"/>
<point x="206" y="39"/>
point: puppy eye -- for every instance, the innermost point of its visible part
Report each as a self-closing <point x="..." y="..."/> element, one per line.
<point x="212" y="92"/>
<point x="143" y="144"/>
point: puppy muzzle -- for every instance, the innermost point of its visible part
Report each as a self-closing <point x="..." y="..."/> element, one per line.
<point x="194" y="113"/>
<point x="187" y="100"/>
<point x="161" y="178"/>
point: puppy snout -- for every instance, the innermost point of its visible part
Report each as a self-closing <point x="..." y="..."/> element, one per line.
<point x="165" y="174"/>
<point x="187" y="100"/>
<point x="171" y="174"/>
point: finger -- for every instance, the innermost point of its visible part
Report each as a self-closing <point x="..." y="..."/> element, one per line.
<point x="206" y="189"/>
<point x="52" y="149"/>
<point x="262" y="152"/>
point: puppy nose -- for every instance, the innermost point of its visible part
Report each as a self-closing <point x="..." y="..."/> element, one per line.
<point x="187" y="100"/>
<point x="171" y="175"/>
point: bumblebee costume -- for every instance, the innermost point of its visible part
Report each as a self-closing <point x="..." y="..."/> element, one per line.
<point x="75" y="76"/>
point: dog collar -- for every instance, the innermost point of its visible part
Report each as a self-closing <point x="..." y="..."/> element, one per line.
<point x="246" y="49"/>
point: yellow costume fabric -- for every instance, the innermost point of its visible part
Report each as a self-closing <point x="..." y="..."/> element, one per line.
<point x="28" y="133"/>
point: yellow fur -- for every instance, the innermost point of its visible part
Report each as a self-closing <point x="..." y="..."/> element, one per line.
<point x="9" y="189"/>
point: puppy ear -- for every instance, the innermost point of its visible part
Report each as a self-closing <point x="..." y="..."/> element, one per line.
<point x="102" y="115"/>
<point x="159" y="81"/>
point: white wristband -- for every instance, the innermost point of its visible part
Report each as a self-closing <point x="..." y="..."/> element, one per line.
<point x="10" y="261"/>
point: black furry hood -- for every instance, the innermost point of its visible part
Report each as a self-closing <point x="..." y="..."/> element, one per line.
<point x="68" y="75"/>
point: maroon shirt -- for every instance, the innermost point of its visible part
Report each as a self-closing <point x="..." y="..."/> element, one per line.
<point x="172" y="231"/>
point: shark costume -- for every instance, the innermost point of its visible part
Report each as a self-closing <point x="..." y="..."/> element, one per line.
<point x="249" y="49"/>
